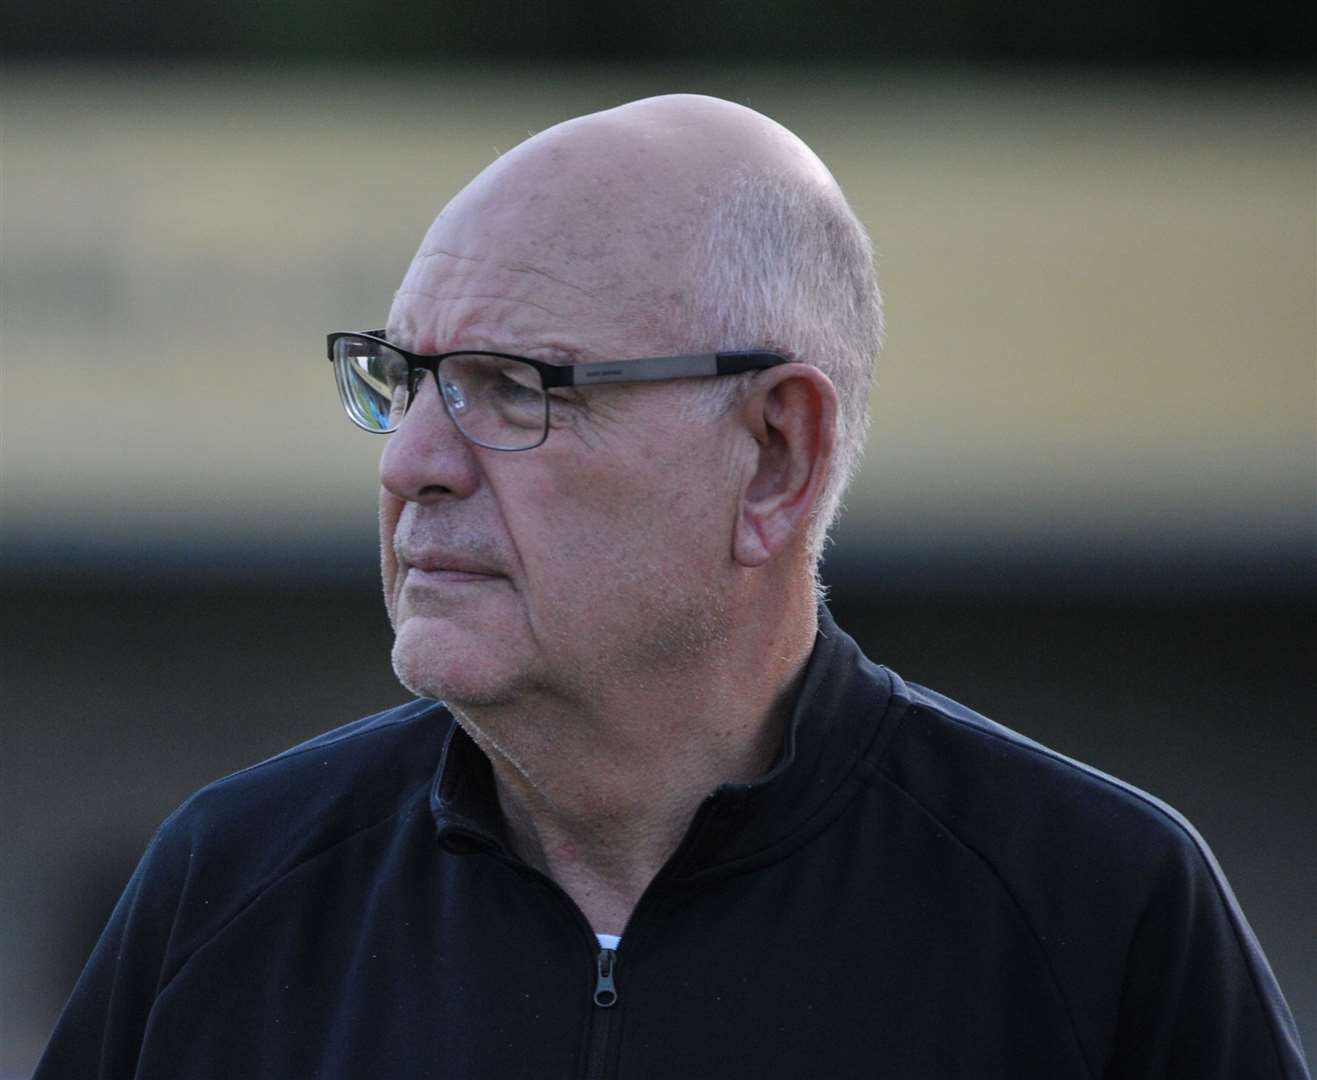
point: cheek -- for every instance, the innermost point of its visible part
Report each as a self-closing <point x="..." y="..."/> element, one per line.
<point x="578" y="511"/>
<point x="391" y="508"/>
<point x="589" y="530"/>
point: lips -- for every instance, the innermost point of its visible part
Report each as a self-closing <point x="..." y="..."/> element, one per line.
<point x="443" y="563"/>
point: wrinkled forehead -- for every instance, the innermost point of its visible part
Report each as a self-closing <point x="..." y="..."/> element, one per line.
<point x="563" y="232"/>
<point x="605" y="212"/>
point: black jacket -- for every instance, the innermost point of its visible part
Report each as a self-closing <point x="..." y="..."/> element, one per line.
<point x="912" y="892"/>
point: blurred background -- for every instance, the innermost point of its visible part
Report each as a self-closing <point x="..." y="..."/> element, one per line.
<point x="1089" y="504"/>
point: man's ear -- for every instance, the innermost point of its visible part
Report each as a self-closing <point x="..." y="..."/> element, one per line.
<point x="791" y="412"/>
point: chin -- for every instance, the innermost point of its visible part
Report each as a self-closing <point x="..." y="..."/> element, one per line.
<point x="450" y="667"/>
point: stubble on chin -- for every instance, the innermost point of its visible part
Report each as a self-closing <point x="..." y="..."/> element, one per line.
<point x="463" y="673"/>
<point x="420" y="664"/>
<point x="412" y="675"/>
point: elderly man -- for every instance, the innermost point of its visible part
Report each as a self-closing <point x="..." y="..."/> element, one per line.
<point x="653" y="814"/>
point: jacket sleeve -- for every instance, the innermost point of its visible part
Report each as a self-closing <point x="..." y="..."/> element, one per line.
<point x="99" y="1033"/>
<point x="1199" y="999"/>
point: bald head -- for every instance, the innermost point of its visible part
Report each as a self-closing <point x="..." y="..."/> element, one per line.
<point x="672" y="224"/>
<point x="675" y="147"/>
<point x="619" y="200"/>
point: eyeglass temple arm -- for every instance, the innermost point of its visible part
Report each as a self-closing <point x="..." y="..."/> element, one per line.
<point x="667" y="367"/>
<point x="330" y="339"/>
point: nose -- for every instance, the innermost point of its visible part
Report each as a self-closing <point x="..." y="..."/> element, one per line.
<point x="427" y="458"/>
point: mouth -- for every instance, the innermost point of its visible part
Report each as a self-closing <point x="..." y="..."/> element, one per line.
<point x="437" y="569"/>
<point x="442" y="576"/>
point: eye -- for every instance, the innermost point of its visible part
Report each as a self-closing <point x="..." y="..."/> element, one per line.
<point x="516" y="384"/>
<point x="454" y="396"/>
<point x="397" y="403"/>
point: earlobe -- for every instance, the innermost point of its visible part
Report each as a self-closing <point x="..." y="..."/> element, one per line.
<point x="791" y="414"/>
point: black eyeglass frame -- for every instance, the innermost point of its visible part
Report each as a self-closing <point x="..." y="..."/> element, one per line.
<point x="588" y="373"/>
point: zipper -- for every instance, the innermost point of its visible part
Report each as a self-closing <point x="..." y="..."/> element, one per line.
<point x="601" y="1016"/>
<point x="604" y="995"/>
<point x="605" y="990"/>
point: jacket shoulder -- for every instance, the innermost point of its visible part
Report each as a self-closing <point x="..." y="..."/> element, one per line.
<point x="1144" y="939"/>
<point x="347" y="774"/>
<point x="219" y="853"/>
<point x="236" y="837"/>
<point x="992" y="781"/>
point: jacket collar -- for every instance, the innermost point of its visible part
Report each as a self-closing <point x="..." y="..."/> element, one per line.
<point x="841" y="720"/>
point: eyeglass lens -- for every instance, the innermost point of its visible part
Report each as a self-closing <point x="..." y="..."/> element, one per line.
<point x="495" y="401"/>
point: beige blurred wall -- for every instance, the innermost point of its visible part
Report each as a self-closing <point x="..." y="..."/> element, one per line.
<point x="1101" y="291"/>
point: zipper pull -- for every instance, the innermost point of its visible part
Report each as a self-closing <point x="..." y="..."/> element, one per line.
<point x="605" y="992"/>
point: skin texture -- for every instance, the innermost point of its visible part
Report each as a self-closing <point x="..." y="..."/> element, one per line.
<point x="618" y="616"/>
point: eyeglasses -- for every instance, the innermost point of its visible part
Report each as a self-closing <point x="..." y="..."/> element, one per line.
<point x="497" y="401"/>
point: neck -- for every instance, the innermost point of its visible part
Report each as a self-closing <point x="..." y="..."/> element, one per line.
<point x="598" y="794"/>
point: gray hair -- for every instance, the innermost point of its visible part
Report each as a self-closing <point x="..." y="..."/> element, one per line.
<point x="786" y="265"/>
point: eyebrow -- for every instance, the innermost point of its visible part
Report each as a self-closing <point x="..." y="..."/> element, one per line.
<point x="554" y="354"/>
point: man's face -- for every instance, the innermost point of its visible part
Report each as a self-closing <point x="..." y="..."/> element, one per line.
<point x="600" y="554"/>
